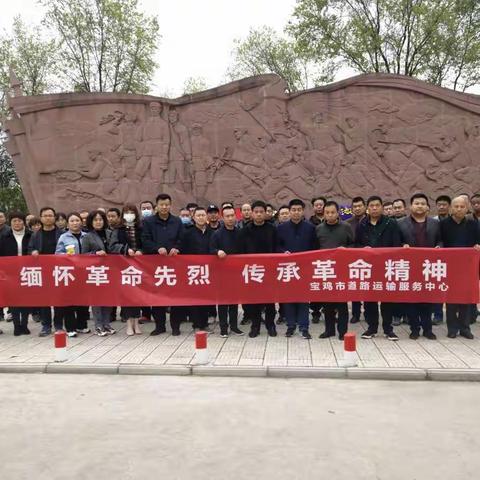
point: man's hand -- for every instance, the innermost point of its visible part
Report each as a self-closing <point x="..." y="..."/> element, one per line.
<point x="173" y="252"/>
<point x="138" y="252"/>
<point x="221" y="254"/>
<point x="101" y="253"/>
<point x="162" y="251"/>
<point x="406" y="245"/>
<point x="35" y="253"/>
<point x="131" y="252"/>
<point x="476" y="247"/>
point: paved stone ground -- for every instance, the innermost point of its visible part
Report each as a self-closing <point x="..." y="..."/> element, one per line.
<point x="264" y="351"/>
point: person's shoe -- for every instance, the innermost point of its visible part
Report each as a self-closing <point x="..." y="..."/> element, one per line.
<point x="71" y="334"/>
<point x="367" y="334"/>
<point x="130" y="330"/>
<point x="158" y="331"/>
<point x="17" y="330"/>
<point x="290" y="331"/>
<point x="176" y="332"/>
<point x="224" y="334"/>
<point x="391" y="336"/>
<point x="136" y="327"/>
<point x="354" y="320"/>
<point x="109" y="330"/>
<point x="414" y="336"/>
<point x="83" y="330"/>
<point x="236" y="331"/>
<point x="396" y="321"/>
<point x="36" y="318"/>
<point x="326" y="335"/>
<point x="9" y="317"/>
<point x="341" y="337"/>
<point x="467" y="334"/>
<point x="25" y="330"/>
<point x="430" y="336"/>
<point x="451" y="335"/>
<point x="244" y="321"/>
<point x="253" y="333"/>
<point x="1" y="332"/>
<point x="315" y="318"/>
<point x="44" y="333"/>
<point x="272" y="332"/>
<point x="100" y="332"/>
<point x="306" y="335"/>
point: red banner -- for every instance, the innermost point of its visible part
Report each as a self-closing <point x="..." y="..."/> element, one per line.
<point x="386" y="274"/>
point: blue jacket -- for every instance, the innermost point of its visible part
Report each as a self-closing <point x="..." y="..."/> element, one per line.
<point x="68" y="238"/>
<point x="158" y="233"/>
<point x="297" y="237"/>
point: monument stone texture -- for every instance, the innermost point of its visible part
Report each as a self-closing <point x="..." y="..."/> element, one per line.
<point x="385" y="134"/>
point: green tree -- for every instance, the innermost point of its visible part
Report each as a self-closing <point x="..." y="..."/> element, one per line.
<point x="194" y="85"/>
<point x="105" y="45"/>
<point x="264" y="51"/>
<point x="434" y="40"/>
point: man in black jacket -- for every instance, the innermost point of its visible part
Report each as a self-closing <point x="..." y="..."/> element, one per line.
<point x="377" y="231"/>
<point x="162" y="235"/>
<point x="259" y="236"/>
<point x="223" y="243"/>
<point x="456" y="231"/>
<point x="419" y="230"/>
<point x="44" y="242"/>
<point x="196" y="241"/>
<point x="15" y="243"/>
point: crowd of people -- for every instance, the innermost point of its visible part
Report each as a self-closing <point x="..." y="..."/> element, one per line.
<point x="152" y="229"/>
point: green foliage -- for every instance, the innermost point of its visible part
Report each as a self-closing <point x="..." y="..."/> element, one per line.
<point x="105" y="45"/>
<point x="194" y="85"/>
<point x="434" y="40"/>
<point x="263" y="51"/>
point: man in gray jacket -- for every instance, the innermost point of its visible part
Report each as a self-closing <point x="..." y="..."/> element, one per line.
<point x="418" y="230"/>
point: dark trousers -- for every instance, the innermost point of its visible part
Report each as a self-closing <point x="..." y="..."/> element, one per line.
<point x="255" y="312"/>
<point x="20" y="316"/>
<point x="420" y="315"/>
<point x="371" y="316"/>
<point x="227" y="315"/>
<point x="315" y="307"/>
<point x="46" y="318"/>
<point x="438" y="311"/>
<point x="459" y="317"/>
<point x="356" y="309"/>
<point x="399" y="310"/>
<point x="199" y="315"/>
<point x="331" y="310"/>
<point x="82" y="317"/>
<point x="296" y="314"/>
<point x="212" y="311"/>
<point x="159" y="314"/>
<point x="147" y="312"/>
<point x="75" y="317"/>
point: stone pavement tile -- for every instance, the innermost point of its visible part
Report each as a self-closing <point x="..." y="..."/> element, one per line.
<point x="276" y="352"/>
<point x="80" y="345"/>
<point x="231" y="351"/>
<point x="160" y="355"/>
<point x="417" y="353"/>
<point x="140" y="351"/>
<point x="322" y="353"/>
<point x="184" y="352"/>
<point x="443" y="355"/>
<point x="254" y="351"/>
<point x="370" y="355"/>
<point x="299" y="354"/>
<point x="464" y="353"/>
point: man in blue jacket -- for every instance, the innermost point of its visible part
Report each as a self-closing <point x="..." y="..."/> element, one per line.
<point x="162" y="235"/>
<point x="297" y="235"/>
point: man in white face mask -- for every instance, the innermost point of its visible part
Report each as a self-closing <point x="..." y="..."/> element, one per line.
<point x="146" y="209"/>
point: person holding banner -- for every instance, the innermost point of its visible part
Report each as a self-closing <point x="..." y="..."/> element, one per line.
<point x="259" y="236"/>
<point x="162" y="235"/>
<point x="333" y="233"/>
<point x="297" y="235"/>
<point x="15" y="243"/>
<point x="376" y="231"/>
<point x="420" y="230"/>
<point x="223" y="243"/>
<point x="69" y="243"/>
<point x="459" y="231"/>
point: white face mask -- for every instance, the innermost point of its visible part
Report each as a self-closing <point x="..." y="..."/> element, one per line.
<point x="129" y="217"/>
<point x="146" y="213"/>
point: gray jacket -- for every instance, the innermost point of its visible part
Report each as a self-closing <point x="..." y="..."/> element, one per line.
<point x="92" y="242"/>
<point x="408" y="236"/>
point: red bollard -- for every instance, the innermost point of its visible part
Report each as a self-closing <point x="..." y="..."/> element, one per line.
<point x="350" y="356"/>
<point x="60" y="342"/>
<point x="201" y="350"/>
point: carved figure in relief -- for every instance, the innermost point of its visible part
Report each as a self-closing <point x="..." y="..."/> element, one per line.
<point x="202" y="161"/>
<point x="180" y="152"/>
<point x="154" y="138"/>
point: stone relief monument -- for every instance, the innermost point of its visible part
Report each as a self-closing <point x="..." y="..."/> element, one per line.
<point x="384" y="134"/>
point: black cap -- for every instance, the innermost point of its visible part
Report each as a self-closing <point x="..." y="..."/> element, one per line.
<point x="212" y="208"/>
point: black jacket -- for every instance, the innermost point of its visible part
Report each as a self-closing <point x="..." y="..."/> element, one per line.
<point x="385" y="233"/>
<point x="9" y="246"/>
<point x="120" y="241"/>
<point x="36" y="241"/>
<point x="333" y="236"/>
<point x="196" y="242"/>
<point x="407" y="232"/>
<point x="257" y="238"/>
<point x="158" y="233"/>
<point x="296" y="237"/>
<point x="463" y="234"/>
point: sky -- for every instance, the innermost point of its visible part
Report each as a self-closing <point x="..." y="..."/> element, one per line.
<point x="197" y="35"/>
